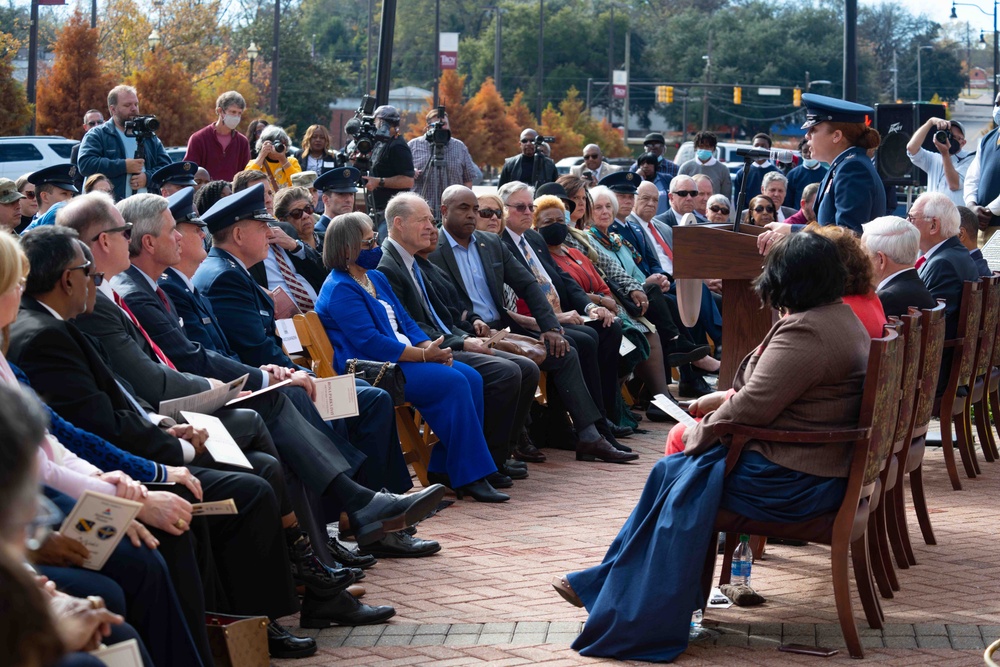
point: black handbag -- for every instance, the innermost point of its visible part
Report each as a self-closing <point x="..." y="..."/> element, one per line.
<point x="622" y="297"/>
<point x="382" y="374"/>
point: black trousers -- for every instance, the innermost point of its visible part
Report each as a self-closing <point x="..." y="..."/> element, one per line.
<point x="598" y="348"/>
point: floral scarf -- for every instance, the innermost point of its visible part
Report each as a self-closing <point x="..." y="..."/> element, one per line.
<point x="613" y="241"/>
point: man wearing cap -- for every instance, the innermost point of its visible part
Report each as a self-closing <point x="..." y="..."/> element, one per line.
<point x="656" y="144"/>
<point x="307" y="180"/>
<point x="530" y="166"/>
<point x="946" y="168"/>
<point x="108" y="150"/>
<point x="91" y="119"/>
<point x="338" y="188"/>
<point x="392" y="162"/>
<point x="218" y="147"/>
<point x="10" y="205"/>
<point x="173" y="178"/>
<point x="53" y="185"/>
<point x="458" y="164"/>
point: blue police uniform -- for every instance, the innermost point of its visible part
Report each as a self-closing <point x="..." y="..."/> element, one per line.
<point x="341" y="179"/>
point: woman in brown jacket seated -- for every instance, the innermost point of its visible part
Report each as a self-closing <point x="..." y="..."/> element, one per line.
<point x="807" y="374"/>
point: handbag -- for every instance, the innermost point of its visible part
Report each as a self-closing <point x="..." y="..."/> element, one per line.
<point x="238" y="641"/>
<point x="622" y="297"/>
<point x="524" y="346"/>
<point x="382" y="374"/>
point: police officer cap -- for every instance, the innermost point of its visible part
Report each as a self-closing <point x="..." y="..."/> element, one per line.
<point x="388" y="113"/>
<point x="178" y="173"/>
<point x="622" y="182"/>
<point x="654" y="138"/>
<point x="821" y="109"/>
<point x="182" y="207"/>
<point x="556" y="190"/>
<point x="59" y="175"/>
<point x="244" y="205"/>
<point x="341" y="179"/>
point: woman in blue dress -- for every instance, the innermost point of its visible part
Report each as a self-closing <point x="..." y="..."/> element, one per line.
<point x="365" y="320"/>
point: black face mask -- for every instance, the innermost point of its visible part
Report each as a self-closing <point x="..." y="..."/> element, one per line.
<point x="554" y="234"/>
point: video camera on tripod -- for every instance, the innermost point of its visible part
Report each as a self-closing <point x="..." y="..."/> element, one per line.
<point x="539" y="140"/>
<point x="142" y="128"/>
<point x="437" y="134"/>
<point x="364" y="133"/>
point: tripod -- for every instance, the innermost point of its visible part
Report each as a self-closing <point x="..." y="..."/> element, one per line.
<point x="436" y="163"/>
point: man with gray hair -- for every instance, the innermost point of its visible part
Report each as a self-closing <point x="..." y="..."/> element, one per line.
<point x="218" y="147"/>
<point x="893" y="245"/>
<point x="111" y="150"/>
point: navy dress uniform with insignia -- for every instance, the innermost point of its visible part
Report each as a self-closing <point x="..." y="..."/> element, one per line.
<point x="851" y="193"/>
<point x="341" y="179"/>
<point x="60" y="175"/>
<point x="627" y="183"/>
<point x="178" y="173"/>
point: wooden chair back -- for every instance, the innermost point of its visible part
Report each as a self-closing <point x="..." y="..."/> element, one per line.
<point x="913" y="342"/>
<point x="967" y="334"/>
<point x="995" y="357"/>
<point x="315" y="342"/>
<point x="988" y="325"/>
<point x="932" y="333"/>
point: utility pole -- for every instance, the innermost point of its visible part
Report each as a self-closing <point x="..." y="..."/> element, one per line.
<point x="628" y="58"/>
<point x="541" y="54"/>
<point x="851" y="50"/>
<point x="33" y="61"/>
<point x="704" y="95"/>
<point x="274" y="59"/>
<point x="611" y="62"/>
<point x="368" y="45"/>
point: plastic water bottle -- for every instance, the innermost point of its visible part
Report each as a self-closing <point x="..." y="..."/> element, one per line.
<point x="742" y="563"/>
<point x="696" y="628"/>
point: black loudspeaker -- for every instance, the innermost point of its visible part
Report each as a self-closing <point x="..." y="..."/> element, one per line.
<point x="896" y="123"/>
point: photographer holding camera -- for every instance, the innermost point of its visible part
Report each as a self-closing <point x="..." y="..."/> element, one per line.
<point x="531" y="166"/>
<point x="391" y="160"/>
<point x="441" y="160"/>
<point x="945" y="169"/>
<point x="273" y="159"/>
<point x="125" y="148"/>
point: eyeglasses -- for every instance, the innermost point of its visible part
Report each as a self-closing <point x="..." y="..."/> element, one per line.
<point x="299" y="212"/>
<point x="93" y="123"/>
<point x="913" y="217"/>
<point x="98" y="278"/>
<point x="487" y="213"/>
<point x="686" y="193"/>
<point x="719" y="209"/>
<point x="591" y="157"/>
<point x="527" y="141"/>
<point x="761" y="209"/>
<point x="125" y="229"/>
<point x="521" y="208"/>
<point x="30" y="194"/>
<point x="370" y="243"/>
<point x="83" y="267"/>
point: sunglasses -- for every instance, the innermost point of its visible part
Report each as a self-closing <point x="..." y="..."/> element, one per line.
<point x="370" y="243"/>
<point x="93" y="123"/>
<point x="125" y="229"/>
<point x="761" y="209"/>
<point x="85" y="267"/>
<point x="591" y="157"/>
<point x="299" y="212"/>
<point x="98" y="278"/>
<point x="487" y="213"/>
<point x="719" y="209"/>
<point x="521" y="208"/>
<point x="30" y="194"/>
<point x="527" y="141"/>
<point x="686" y="193"/>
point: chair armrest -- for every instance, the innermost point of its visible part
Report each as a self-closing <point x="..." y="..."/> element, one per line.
<point x="816" y="437"/>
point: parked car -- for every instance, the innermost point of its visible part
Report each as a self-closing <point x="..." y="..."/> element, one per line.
<point x="23" y="155"/>
<point x="564" y="165"/>
<point x="176" y="153"/>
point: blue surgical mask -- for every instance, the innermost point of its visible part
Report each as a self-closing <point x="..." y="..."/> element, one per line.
<point x="566" y="217"/>
<point x="996" y="115"/>
<point x="809" y="163"/>
<point x="369" y="258"/>
<point x="703" y="154"/>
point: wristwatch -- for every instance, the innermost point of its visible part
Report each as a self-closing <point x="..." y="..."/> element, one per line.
<point x="381" y="182"/>
<point x="589" y="307"/>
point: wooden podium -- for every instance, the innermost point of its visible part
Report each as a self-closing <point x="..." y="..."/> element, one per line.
<point x="716" y="251"/>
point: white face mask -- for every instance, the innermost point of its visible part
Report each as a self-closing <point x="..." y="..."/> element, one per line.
<point x="996" y="115"/>
<point x="231" y="121"/>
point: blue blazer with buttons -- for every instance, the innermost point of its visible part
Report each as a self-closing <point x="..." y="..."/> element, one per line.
<point x="633" y="233"/>
<point x="851" y="193"/>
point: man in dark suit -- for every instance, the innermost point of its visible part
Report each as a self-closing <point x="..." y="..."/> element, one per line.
<point x="968" y="234"/>
<point x="530" y="166"/>
<point x="893" y="244"/>
<point x="480" y="265"/>
<point x="509" y="380"/>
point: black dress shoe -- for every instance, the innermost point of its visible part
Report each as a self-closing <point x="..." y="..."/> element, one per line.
<point x="657" y="415"/>
<point x="694" y="389"/>
<point x="498" y="480"/>
<point x="283" y="644"/>
<point x="605" y="432"/>
<point x="636" y="417"/>
<point x="616" y="430"/>
<point x="401" y="545"/>
<point x="513" y="472"/>
<point x="389" y="512"/>
<point x="600" y="449"/>
<point x="348" y="556"/>
<point x="482" y="491"/>
<point x="682" y="350"/>
<point x="439" y="478"/>
<point x="310" y="572"/>
<point x="514" y="463"/>
<point x="341" y="610"/>
<point x="525" y="450"/>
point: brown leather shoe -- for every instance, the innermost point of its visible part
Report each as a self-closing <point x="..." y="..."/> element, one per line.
<point x="526" y="451"/>
<point x="561" y="584"/>
<point x="600" y="449"/>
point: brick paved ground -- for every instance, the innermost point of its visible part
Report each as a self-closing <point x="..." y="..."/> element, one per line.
<point x="485" y="598"/>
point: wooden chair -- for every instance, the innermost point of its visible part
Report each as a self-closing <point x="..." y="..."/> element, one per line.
<point x="978" y="399"/>
<point x="845" y="529"/>
<point x="415" y="435"/>
<point x="951" y="408"/>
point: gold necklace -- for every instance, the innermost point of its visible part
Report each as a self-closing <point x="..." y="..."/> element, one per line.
<point x="366" y="285"/>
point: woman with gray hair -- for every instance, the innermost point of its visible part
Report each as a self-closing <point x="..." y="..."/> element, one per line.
<point x="365" y="320"/>
<point x="273" y="157"/>
<point x="718" y="208"/>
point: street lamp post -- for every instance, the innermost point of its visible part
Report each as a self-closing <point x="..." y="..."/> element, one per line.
<point x="252" y="52"/>
<point x="154" y="40"/>
<point x="996" y="45"/>
<point x="920" y="76"/>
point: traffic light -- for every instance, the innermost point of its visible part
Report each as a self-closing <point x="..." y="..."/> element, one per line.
<point x="665" y="94"/>
<point x="797" y="97"/>
<point x="737" y="95"/>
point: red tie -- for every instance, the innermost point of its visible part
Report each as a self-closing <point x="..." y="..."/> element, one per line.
<point x="920" y="262"/>
<point x="299" y="293"/>
<point x="156" y="348"/>
<point x="659" y="239"/>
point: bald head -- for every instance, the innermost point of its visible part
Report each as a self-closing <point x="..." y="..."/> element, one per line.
<point x="592" y="156"/>
<point x="528" y="142"/>
<point x="459" y="210"/>
<point x="452" y="192"/>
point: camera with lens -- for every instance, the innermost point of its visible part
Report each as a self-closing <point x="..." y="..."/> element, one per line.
<point x="362" y="127"/>
<point x="539" y="140"/>
<point x="279" y="146"/>
<point x="437" y="134"/>
<point x="946" y="137"/>
<point x="141" y="127"/>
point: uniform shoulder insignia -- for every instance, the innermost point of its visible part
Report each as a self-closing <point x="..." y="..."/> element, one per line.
<point x="849" y="156"/>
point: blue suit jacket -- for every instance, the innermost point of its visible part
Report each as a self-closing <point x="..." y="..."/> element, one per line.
<point x="245" y="311"/>
<point x="981" y="263"/>
<point x="198" y="318"/>
<point x="944" y="274"/>
<point x="164" y="327"/>
<point x="851" y="193"/>
<point x="634" y="234"/>
<point x="102" y="151"/>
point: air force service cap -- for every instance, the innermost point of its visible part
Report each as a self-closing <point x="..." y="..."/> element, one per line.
<point x="341" y="179"/>
<point x="244" y="205"/>
<point x="178" y="173"/>
<point x="182" y="207"/>
<point x="59" y="175"/>
<point x="822" y="109"/>
<point x="623" y="182"/>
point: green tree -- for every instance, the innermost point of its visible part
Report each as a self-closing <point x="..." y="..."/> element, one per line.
<point x="15" y="112"/>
